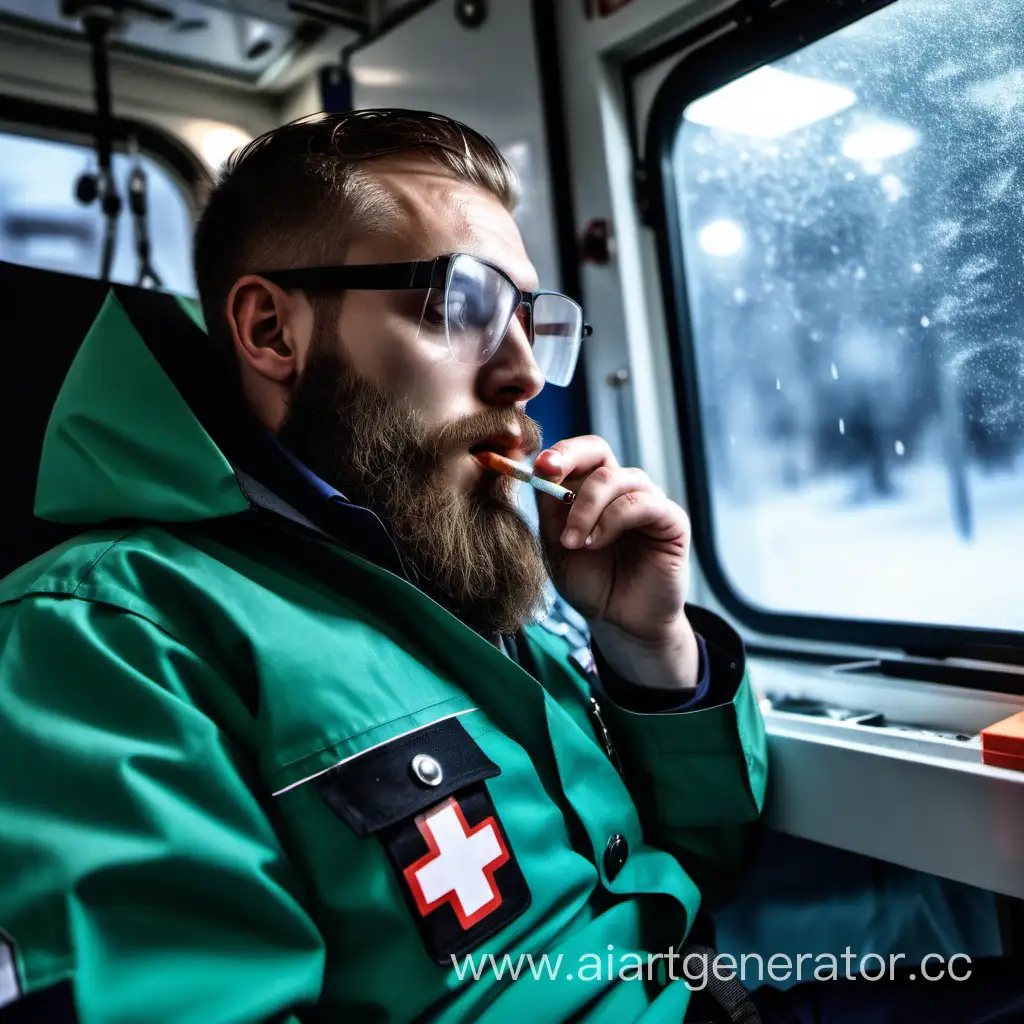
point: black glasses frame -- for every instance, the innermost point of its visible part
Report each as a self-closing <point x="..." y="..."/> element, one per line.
<point x="416" y="274"/>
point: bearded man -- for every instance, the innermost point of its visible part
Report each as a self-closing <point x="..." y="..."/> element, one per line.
<point x="289" y="731"/>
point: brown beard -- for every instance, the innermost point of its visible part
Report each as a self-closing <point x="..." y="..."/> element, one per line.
<point x="473" y="552"/>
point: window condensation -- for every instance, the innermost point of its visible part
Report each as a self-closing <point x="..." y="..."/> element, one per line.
<point x="42" y="224"/>
<point x="853" y="221"/>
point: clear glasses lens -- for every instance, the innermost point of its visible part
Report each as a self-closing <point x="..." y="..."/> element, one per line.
<point x="557" y="330"/>
<point x="479" y="303"/>
<point x="478" y="309"/>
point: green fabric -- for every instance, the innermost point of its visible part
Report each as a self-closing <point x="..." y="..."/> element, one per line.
<point x="167" y="694"/>
<point x="194" y="310"/>
<point x="121" y="441"/>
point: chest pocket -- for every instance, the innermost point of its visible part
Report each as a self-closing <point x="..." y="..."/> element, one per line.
<point x="424" y="796"/>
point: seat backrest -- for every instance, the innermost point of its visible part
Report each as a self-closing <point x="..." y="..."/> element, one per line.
<point x="43" y="319"/>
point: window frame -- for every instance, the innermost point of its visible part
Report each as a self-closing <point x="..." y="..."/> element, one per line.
<point x="65" y="124"/>
<point x="52" y="123"/>
<point x="761" y="32"/>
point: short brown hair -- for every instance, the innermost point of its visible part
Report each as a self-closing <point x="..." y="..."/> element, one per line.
<point x="296" y="195"/>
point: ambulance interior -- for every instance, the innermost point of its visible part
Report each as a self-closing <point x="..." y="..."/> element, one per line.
<point x="796" y="229"/>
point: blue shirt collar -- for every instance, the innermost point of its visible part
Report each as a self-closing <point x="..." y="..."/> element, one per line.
<point x="322" y="488"/>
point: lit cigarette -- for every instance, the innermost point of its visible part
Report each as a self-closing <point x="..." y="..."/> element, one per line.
<point x="522" y="471"/>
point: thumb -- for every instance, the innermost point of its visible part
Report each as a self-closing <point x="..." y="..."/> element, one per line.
<point x="550" y="465"/>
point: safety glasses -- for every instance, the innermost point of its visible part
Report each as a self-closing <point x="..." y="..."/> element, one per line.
<point x="471" y="301"/>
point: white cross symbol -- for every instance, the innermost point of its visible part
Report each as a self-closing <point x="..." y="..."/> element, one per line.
<point x="459" y="869"/>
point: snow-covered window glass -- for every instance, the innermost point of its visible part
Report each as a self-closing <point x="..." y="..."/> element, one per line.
<point x="853" y="240"/>
<point x="43" y="224"/>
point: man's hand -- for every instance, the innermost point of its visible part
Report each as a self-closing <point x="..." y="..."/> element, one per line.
<point x="620" y="555"/>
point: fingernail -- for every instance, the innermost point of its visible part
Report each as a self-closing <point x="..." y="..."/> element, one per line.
<point x="555" y="458"/>
<point x="570" y="538"/>
<point x="590" y="538"/>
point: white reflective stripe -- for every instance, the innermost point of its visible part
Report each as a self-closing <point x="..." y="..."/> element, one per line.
<point x="10" y="986"/>
<point x="352" y="757"/>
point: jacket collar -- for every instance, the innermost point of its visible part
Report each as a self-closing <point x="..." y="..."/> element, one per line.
<point x="306" y="500"/>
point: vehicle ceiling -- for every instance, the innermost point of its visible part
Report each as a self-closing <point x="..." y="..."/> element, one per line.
<point x="246" y="40"/>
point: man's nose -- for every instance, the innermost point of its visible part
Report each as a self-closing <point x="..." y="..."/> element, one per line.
<point x="511" y="374"/>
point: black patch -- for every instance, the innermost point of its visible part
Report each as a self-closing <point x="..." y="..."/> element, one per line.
<point x="377" y="788"/>
<point x="446" y="929"/>
<point x="53" y="1005"/>
<point x="379" y="793"/>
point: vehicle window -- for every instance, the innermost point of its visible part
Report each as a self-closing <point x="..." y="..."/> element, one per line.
<point x="42" y="224"/>
<point x="853" y="250"/>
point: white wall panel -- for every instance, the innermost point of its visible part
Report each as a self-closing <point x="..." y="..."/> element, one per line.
<point x="488" y="78"/>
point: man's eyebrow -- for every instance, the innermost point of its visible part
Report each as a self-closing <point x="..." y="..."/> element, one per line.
<point x="529" y="283"/>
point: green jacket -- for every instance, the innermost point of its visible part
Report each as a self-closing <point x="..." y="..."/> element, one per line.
<point x="210" y="706"/>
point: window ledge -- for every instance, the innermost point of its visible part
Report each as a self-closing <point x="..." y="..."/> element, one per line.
<point x="925" y="802"/>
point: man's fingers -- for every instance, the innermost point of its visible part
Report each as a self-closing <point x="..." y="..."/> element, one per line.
<point x="651" y="514"/>
<point x="574" y="456"/>
<point x="602" y="487"/>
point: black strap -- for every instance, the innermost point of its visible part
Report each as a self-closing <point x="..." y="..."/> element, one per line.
<point x="730" y="996"/>
<point x="138" y="202"/>
<point x="98" y="27"/>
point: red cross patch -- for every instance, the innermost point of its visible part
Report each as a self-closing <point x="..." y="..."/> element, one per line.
<point x="455" y="867"/>
<point x="460" y="875"/>
<point x="459" y="869"/>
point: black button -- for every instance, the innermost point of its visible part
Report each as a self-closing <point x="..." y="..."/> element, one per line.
<point x="615" y="854"/>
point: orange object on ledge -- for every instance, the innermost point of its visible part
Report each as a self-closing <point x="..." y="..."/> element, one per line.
<point x="1002" y="744"/>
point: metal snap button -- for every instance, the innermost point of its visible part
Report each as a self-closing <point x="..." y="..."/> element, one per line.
<point x="426" y="770"/>
<point x="615" y="854"/>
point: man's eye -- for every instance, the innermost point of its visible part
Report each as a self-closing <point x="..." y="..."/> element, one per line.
<point x="457" y="311"/>
<point x="433" y="312"/>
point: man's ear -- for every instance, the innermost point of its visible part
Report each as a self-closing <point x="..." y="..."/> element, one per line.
<point x="270" y="327"/>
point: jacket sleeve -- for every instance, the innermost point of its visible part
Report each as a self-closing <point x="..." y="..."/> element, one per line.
<point x="697" y="775"/>
<point x="138" y="869"/>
